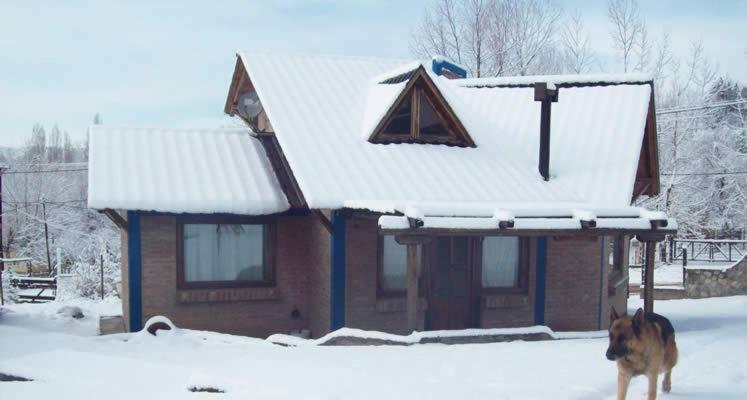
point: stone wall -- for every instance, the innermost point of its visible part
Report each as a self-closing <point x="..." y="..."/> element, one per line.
<point x="701" y="283"/>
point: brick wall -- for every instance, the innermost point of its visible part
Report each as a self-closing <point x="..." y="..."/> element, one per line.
<point x="573" y="290"/>
<point x="261" y="312"/>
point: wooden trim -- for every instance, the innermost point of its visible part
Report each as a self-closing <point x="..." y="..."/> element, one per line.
<point x="522" y="286"/>
<point x="653" y="144"/>
<point x="270" y="244"/>
<point x="115" y="217"/>
<point x="414" y="113"/>
<point x="324" y="220"/>
<point x="647" y="173"/>
<point x="420" y="81"/>
<point x="282" y="170"/>
<point x="239" y="71"/>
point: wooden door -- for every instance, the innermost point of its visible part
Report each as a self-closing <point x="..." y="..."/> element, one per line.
<point x="450" y="294"/>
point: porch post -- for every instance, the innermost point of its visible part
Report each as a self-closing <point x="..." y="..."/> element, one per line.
<point x="648" y="296"/>
<point x="412" y="287"/>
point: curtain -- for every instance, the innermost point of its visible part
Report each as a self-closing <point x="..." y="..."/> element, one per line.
<point x="500" y="261"/>
<point x="223" y="252"/>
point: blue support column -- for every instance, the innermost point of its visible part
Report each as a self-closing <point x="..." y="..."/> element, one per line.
<point x="337" y="286"/>
<point x="602" y="264"/>
<point x="134" y="271"/>
<point x="540" y="281"/>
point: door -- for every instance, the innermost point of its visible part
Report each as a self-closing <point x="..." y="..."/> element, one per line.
<point x="450" y="295"/>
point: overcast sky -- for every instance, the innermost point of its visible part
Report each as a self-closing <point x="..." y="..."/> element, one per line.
<point x="170" y="64"/>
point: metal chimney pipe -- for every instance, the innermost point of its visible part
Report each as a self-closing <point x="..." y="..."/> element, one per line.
<point x="546" y="96"/>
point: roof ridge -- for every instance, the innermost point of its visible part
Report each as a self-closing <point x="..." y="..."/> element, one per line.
<point x="244" y="52"/>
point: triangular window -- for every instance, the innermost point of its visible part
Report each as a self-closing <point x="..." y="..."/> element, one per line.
<point x="430" y="123"/>
<point x="400" y="122"/>
<point x="421" y="115"/>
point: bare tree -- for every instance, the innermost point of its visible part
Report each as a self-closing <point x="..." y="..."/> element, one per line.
<point x="489" y="37"/>
<point x="439" y="32"/>
<point x="54" y="145"/>
<point x="576" y="45"/>
<point x="627" y="31"/>
<point x="476" y="17"/>
<point x="531" y="27"/>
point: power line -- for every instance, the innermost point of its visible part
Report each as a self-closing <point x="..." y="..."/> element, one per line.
<point x="676" y="110"/>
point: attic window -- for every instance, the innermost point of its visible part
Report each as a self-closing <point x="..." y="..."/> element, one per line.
<point x="421" y="115"/>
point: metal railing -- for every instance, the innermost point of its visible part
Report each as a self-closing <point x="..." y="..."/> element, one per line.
<point x="710" y="250"/>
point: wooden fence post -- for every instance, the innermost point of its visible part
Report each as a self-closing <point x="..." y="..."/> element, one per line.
<point x="648" y="300"/>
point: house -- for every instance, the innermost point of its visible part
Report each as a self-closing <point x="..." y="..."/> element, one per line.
<point x="386" y="195"/>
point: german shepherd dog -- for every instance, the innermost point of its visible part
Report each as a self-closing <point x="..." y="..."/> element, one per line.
<point x="642" y="345"/>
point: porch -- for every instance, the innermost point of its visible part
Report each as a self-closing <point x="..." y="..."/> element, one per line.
<point x="450" y="273"/>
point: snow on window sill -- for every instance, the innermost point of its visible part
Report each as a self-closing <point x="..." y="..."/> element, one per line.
<point x="227" y="295"/>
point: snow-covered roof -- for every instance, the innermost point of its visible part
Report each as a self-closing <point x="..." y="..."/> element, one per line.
<point x="181" y="170"/>
<point x="321" y="109"/>
<point x="529" y="217"/>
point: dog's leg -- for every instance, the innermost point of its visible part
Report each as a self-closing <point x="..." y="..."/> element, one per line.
<point x="666" y="384"/>
<point x="623" y="381"/>
<point x="653" y="377"/>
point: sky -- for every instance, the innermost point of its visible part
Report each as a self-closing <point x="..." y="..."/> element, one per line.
<point x="169" y="63"/>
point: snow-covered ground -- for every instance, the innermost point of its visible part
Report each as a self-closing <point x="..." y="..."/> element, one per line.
<point x="66" y="362"/>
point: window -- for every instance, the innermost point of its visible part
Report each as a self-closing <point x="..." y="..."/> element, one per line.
<point x="421" y="115"/>
<point x="502" y="262"/>
<point x="224" y="253"/>
<point x="393" y="265"/>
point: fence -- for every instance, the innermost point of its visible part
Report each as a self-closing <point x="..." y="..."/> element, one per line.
<point x="710" y="250"/>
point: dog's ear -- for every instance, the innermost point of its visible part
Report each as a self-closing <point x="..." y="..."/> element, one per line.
<point x="638" y="321"/>
<point x="613" y="315"/>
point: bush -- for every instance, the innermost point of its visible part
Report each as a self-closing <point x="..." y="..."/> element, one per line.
<point x="86" y="280"/>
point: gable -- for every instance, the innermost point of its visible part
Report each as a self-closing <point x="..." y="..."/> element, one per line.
<point x="647" y="173"/>
<point x="420" y="114"/>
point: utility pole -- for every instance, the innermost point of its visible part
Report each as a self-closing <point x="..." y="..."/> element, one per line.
<point x="46" y="236"/>
<point x="2" y="254"/>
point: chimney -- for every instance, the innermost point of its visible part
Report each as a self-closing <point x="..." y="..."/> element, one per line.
<point x="448" y="69"/>
<point x="546" y="95"/>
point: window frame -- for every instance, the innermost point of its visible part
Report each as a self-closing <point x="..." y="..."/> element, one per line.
<point x="381" y="292"/>
<point x="522" y="285"/>
<point x="618" y="257"/>
<point x="269" y="239"/>
<point x="420" y="85"/>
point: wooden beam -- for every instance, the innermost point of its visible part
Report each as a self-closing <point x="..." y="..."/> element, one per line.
<point x="656" y="235"/>
<point x="324" y="220"/>
<point x="282" y="170"/>
<point x="648" y="281"/>
<point x="412" y="287"/>
<point x="115" y="217"/>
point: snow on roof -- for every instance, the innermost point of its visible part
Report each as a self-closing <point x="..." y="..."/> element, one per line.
<point x="558" y="80"/>
<point x="319" y="106"/>
<point x="180" y="170"/>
